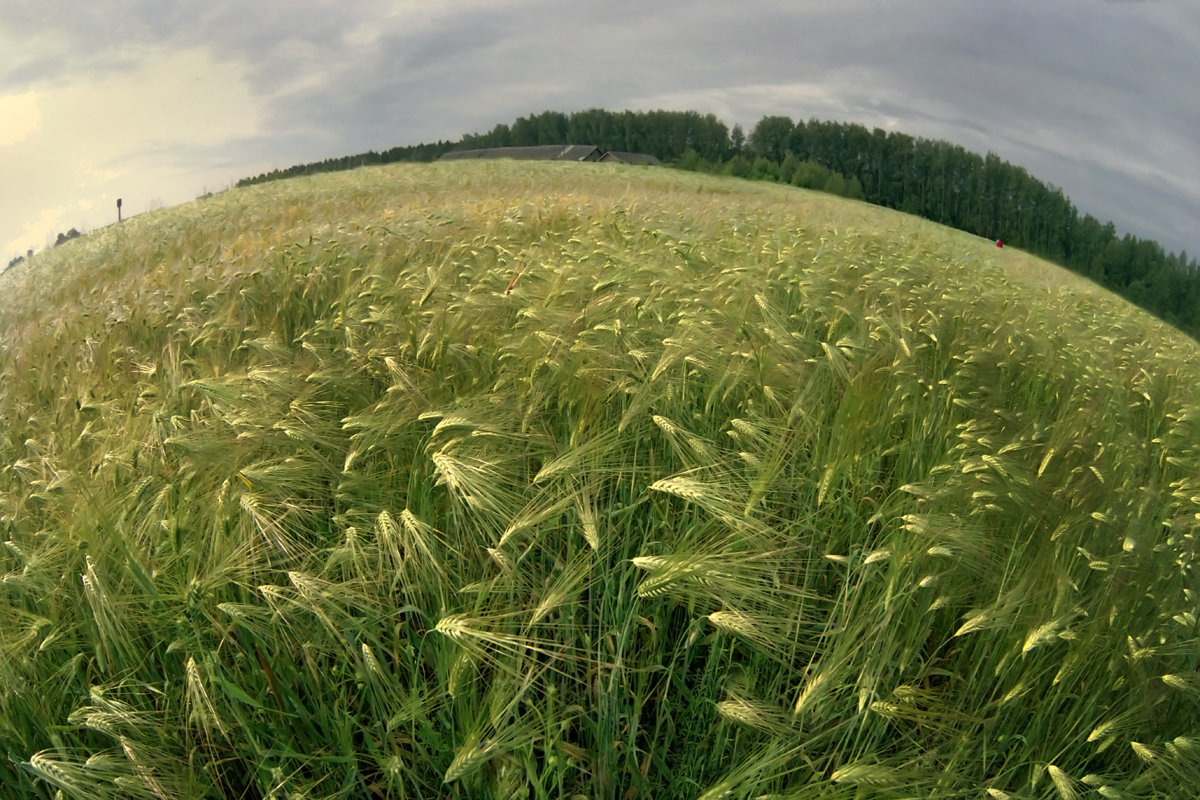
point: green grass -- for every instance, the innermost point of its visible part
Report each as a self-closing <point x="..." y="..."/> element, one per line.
<point x="536" y="480"/>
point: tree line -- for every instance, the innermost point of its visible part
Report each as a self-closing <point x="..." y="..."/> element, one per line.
<point x="934" y="179"/>
<point x="416" y="152"/>
<point x="62" y="239"/>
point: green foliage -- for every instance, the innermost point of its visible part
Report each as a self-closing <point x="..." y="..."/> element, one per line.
<point x="809" y="175"/>
<point x="737" y="139"/>
<point x="66" y="237"/>
<point x="836" y="184"/>
<point x="770" y="137"/>
<point x="738" y="167"/>
<point x="763" y="169"/>
<point x="854" y="189"/>
<point x="546" y="480"/>
<point x="690" y="160"/>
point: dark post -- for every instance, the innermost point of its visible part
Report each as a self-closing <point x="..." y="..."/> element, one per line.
<point x="118" y="209"/>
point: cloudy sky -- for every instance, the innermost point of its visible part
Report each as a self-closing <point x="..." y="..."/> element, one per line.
<point x="157" y="101"/>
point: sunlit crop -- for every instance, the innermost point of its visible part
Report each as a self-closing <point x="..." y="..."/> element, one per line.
<point x="542" y="480"/>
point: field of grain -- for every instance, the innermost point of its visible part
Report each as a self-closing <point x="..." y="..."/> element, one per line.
<point x="520" y="480"/>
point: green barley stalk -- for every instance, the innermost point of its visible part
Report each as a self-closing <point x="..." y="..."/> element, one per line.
<point x="737" y="491"/>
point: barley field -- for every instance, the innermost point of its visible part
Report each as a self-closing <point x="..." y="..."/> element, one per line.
<point x="521" y="480"/>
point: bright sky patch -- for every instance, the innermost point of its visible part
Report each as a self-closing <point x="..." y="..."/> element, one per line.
<point x="20" y="117"/>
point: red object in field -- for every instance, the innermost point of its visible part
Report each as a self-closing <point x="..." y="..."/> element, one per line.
<point x="999" y="243"/>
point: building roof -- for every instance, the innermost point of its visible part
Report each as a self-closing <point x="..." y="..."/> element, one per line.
<point x="548" y="152"/>
<point x="617" y="157"/>
<point x="553" y="152"/>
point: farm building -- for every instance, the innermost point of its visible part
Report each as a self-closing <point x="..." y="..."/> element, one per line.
<point x="548" y="152"/>
<point x="615" y="157"/>
<point x="553" y="152"/>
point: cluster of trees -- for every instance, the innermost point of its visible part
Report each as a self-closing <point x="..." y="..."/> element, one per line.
<point x="806" y="174"/>
<point x="62" y="237"/>
<point x="933" y="179"/>
<point x="66" y="237"/>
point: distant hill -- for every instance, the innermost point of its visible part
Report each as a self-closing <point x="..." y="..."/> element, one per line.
<point x="937" y="180"/>
<point x="496" y="480"/>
